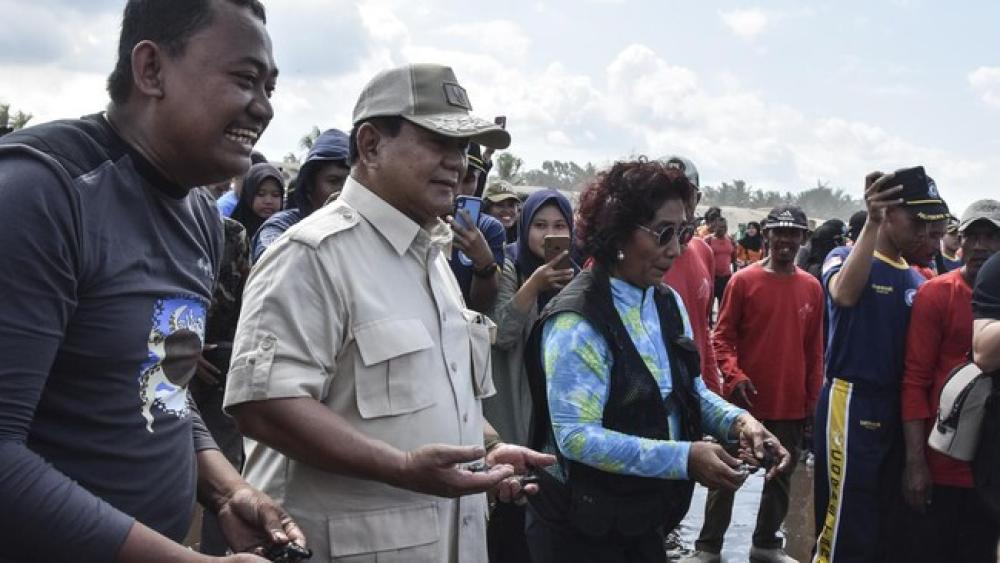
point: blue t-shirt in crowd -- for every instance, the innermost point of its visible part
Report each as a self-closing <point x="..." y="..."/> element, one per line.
<point x="272" y="229"/>
<point x="496" y="237"/>
<point x="227" y="203"/>
<point x="867" y="341"/>
<point x="947" y="264"/>
<point x="108" y="270"/>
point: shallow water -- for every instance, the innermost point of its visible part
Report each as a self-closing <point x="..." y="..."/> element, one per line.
<point x="798" y="528"/>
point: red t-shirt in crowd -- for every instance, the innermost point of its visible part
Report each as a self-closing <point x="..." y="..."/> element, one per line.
<point x="724" y="252"/>
<point x="938" y="339"/>
<point x="770" y="331"/>
<point x="691" y="277"/>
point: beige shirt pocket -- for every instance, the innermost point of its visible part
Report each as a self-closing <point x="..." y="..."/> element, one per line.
<point x="388" y="368"/>
<point x="405" y="534"/>
<point x="482" y="333"/>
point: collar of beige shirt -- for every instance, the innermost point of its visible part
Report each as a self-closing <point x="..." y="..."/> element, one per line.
<point x="401" y="231"/>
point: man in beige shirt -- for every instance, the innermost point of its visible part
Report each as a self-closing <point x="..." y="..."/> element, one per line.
<point x="356" y="359"/>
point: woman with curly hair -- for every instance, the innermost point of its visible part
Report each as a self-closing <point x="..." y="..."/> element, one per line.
<point x="616" y="388"/>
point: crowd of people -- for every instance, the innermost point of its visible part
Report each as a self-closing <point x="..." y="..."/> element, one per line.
<point x="393" y="358"/>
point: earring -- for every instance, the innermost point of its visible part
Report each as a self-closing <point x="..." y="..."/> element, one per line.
<point x="621" y="255"/>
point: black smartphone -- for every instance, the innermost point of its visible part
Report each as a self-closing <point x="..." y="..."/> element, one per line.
<point x="554" y="244"/>
<point x="473" y="205"/>
<point x="910" y="177"/>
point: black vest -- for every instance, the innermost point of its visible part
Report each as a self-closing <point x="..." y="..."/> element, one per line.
<point x="598" y="502"/>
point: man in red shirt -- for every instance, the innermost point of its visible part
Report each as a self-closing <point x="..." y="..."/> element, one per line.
<point x="769" y="345"/>
<point x="691" y="276"/>
<point x="724" y="256"/>
<point x="951" y="523"/>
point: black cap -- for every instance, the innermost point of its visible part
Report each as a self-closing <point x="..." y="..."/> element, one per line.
<point x="920" y="194"/>
<point x="856" y="223"/>
<point x="475" y="157"/>
<point x="786" y="216"/>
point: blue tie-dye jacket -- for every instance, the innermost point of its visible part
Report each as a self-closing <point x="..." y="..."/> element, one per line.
<point x="577" y="362"/>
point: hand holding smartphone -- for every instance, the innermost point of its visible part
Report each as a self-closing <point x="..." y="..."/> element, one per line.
<point x="472" y="205"/>
<point x="554" y="245"/>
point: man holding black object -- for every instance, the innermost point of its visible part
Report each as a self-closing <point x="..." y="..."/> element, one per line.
<point x="858" y="440"/>
<point x="109" y="261"/>
<point x="360" y="381"/>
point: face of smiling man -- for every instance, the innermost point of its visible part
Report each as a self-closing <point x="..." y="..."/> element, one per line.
<point x="202" y="110"/>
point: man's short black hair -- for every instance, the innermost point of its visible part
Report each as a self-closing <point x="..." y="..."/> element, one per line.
<point x="169" y="24"/>
<point x="391" y="126"/>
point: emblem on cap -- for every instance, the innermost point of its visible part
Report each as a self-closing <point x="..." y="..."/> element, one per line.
<point x="455" y="95"/>
<point x="932" y="189"/>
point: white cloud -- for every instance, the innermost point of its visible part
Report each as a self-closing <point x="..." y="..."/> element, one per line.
<point x="746" y="23"/>
<point x="381" y="21"/>
<point x="597" y="108"/>
<point x="985" y="80"/>
<point x="503" y="38"/>
<point x="559" y="138"/>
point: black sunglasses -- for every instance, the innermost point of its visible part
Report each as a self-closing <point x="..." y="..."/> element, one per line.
<point x="666" y="234"/>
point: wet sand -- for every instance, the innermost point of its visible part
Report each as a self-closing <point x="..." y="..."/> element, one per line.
<point x="798" y="528"/>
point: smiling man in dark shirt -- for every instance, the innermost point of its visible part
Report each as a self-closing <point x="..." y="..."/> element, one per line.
<point x="109" y="262"/>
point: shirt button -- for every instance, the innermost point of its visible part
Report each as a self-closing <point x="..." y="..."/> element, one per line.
<point x="466" y="520"/>
<point x="266" y="345"/>
<point x="252" y="361"/>
<point x="349" y="215"/>
<point x="454" y="366"/>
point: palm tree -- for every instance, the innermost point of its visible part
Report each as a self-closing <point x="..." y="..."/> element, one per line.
<point x="10" y="123"/>
<point x="309" y="140"/>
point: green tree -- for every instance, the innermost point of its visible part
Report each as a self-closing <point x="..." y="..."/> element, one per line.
<point x="560" y="175"/>
<point x="508" y="167"/>
<point x="821" y="201"/>
<point x="736" y="194"/>
<point x="824" y="201"/>
<point x="9" y="122"/>
<point x="309" y="139"/>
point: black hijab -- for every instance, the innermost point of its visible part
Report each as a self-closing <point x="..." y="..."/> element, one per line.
<point x="755" y="242"/>
<point x="524" y="259"/>
<point x="244" y="208"/>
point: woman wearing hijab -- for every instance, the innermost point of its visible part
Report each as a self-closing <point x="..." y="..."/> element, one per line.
<point x="827" y="236"/>
<point x="526" y="285"/>
<point x="263" y="195"/>
<point x="750" y="248"/>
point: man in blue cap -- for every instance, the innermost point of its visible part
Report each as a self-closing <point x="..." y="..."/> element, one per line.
<point x="322" y="175"/>
<point x="859" y="440"/>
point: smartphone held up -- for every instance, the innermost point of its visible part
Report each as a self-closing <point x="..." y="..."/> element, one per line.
<point x="554" y="246"/>
<point x="472" y="205"/>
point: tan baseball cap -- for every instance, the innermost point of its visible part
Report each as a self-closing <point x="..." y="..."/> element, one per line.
<point x="499" y="191"/>
<point x="428" y="95"/>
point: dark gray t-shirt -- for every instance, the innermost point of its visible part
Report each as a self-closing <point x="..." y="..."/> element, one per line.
<point x="107" y="272"/>
<point x="986" y="298"/>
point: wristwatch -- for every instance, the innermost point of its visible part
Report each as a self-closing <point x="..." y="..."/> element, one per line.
<point x="487" y="271"/>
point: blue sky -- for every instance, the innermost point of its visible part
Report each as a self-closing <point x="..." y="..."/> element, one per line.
<point x="781" y="94"/>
